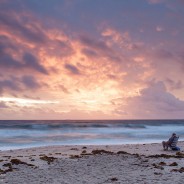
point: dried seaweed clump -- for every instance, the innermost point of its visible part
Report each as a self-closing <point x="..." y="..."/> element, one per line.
<point x="173" y="164"/>
<point x="17" y="162"/>
<point x="181" y="170"/>
<point x="75" y="156"/>
<point x="48" y="159"/>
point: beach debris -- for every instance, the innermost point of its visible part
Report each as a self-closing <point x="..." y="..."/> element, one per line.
<point x="166" y="156"/>
<point x="162" y="163"/>
<point x="100" y="152"/>
<point x="17" y="162"/>
<point x="7" y="165"/>
<point x="122" y="152"/>
<point x="76" y="149"/>
<point x="173" y="164"/>
<point x="41" y="155"/>
<point x="157" y="166"/>
<point x="5" y="171"/>
<point x="180" y="154"/>
<point x="1" y="160"/>
<point x="84" y="147"/>
<point x="48" y="159"/>
<point x="84" y="151"/>
<point x="181" y="170"/>
<point x="137" y="155"/>
<point x="114" y="179"/>
<point x="10" y="169"/>
<point x="7" y="157"/>
<point x="156" y="173"/>
<point x="1" y="171"/>
<point x="75" y="156"/>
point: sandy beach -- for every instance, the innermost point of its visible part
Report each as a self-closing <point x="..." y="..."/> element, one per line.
<point x="138" y="163"/>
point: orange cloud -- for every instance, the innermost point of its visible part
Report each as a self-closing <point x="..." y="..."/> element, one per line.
<point x="88" y="77"/>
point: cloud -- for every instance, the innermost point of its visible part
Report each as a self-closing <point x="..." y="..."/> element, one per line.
<point x="159" y="29"/>
<point x="63" y="88"/>
<point x="28" y="30"/>
<point x="9" y="84"/>
<point x="7" y="61"/>
<point x="102" y="58"/>
<point x="28" y="62"/>
<point x="31" y="61"/>
<point x="175" y="85"/>
<point x="3" y="105"/>
<point x="12" y="59"/>
<point x="120" y="39"/>
<point x="90" y="53"/>
<point x="6" y="43"/>
<point x="18" y="84"/>
<point x="154" y="102"/>
<point x="73" y="69"/>
<point x="94" y="47"/>
<point x="30" y="82"/>
<point x="164" y="54"/>
<point x="92" y="43"/>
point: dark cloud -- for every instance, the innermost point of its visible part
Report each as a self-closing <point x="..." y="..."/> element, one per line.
<point x="164" y="54"/>
<point x="7" y="60"/>
<point x="6" y="43"/>
<point x="92" y="43"/>
<point x="18" y="84"/>
<point x="31" y="32"/>
<point x="30" y="82"/>
<point x="73" y="69"/>
<point x="98" y="47"/>
<point x="89" y="53"/>
<point x="175" y="85"/>
<point x="32" y="62"/>
<point x="9" y="84"/>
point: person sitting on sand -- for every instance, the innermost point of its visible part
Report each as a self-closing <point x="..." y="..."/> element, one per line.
<point x="168" y="143"/>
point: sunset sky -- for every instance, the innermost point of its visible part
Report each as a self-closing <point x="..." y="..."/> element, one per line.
<point x="91" y="59"/>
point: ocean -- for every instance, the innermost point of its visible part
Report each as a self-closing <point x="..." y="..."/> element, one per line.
<point x="16" y="134"/>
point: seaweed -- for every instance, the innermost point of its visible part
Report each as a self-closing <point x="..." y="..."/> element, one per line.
<point x="48" y="159"/>
<point x="173" y="164"/>
<point x="75" y="156"/>
<point x="17" y="162"/>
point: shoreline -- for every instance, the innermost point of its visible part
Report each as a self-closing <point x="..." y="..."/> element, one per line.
<point x="81" y="163"/>
<point x="103" y="144"/>
<point x="131" y="148"/>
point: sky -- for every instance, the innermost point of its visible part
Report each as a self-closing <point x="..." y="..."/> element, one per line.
<point x="92" y="59"/>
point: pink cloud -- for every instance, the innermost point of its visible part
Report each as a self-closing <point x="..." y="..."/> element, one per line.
<point x="154" y="102"/>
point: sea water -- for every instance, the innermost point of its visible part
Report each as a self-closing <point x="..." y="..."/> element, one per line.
<point x="25" y="134"/>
